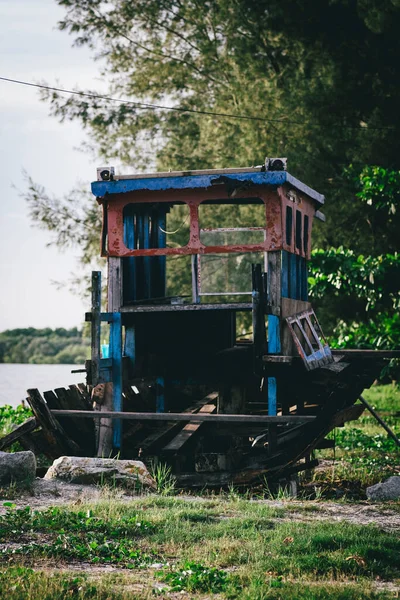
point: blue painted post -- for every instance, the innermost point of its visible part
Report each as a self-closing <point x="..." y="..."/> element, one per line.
<point x="274" y="347"/>
<point x="160" y="395"/>
<point x="272" y="395"/>
<point x="116" y="356"/>
<point x="274" y="275"/>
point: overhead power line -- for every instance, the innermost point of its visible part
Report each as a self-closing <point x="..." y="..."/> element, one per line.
<point x="145" y="105"/>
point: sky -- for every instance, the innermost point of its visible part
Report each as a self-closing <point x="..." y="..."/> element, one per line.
<point x="33" y="49"/>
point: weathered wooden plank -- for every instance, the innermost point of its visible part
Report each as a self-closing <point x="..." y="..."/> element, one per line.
<point x="95" y="325"/>
<point x="188" y="431"/>
<point x="84" y="391"/>
<point x="62" y="399"/>
<point x="160" y="437"/>
<point x="220" y="418"/>
<point x="80" y="397"/>
<point x="26" y="427"/>
<point x="361" y="353"/>
<point x="52" y="431"/>
<point x="114" y="302"/>
<point x="237" y="306"/>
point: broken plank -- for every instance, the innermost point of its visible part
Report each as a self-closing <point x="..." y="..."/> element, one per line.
<point x="26" y="427"/>
<point x="52" y="431"/>
<point x="158" y="438"/>
<point x="188" y="431"/>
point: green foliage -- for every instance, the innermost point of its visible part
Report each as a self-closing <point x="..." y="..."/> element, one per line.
<point x="371" y="279"/>
<point x="76" y="535"/>
<point x="44" y="346"/>
<point x="380" y="188"/>
<point x="358" y="297"/>
<point x="364" y="454"/>
<point x="64" y="521"/>
<point x="22" y="583"/>
<point x="10" y="417"/>
<point x="194" y="577"/>
<point x="377" y="450"/>
<point x="165" y="480"/>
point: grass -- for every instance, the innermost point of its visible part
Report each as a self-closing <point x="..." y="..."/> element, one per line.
<point x="235" y="548"/>
<point x="223" y="546"/>
<point x="364" y="453"/>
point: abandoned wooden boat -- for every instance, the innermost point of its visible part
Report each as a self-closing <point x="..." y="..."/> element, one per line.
<point x="196" y="260"/>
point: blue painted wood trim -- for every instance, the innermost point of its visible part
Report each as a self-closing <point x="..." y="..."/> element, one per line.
<point x="116" y="369"/>
<point x="162" y="243"/>
<point x="160" y="395"/>
<point x="272" y="396"/>
<point x="129" y="276"/>
<point x="130" y="344"/>
<point x="146" y="259"/>
<point x="303" y="279"/>
<point x="285" y="274"/>
<point x="180" y="182"/>
<point x="299" y="279"/>
<point x="293" y="276"/>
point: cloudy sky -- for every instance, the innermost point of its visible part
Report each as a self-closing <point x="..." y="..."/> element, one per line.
<point x="32" y="49"/>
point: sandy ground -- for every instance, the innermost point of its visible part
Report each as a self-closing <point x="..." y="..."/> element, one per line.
<point x="45" y="493"/>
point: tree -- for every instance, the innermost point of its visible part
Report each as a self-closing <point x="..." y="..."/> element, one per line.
<point x="317" y="82"/>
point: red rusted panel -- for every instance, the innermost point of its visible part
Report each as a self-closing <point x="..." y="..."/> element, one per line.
<point x="275" y="201"/>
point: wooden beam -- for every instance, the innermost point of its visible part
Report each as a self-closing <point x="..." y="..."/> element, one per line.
<point x="158" y="438"/>
<point x="185" y="417"/>
<point x="188" y="431"/>
<point x="26" y="427"/>
<point x="51" y="428"/>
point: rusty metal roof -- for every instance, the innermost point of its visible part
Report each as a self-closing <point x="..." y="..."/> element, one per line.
<point x="179" y="180"/>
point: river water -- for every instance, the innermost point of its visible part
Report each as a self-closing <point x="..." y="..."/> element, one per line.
<point x="15" y="379"/>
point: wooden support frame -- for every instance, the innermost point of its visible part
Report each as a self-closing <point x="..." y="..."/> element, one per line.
<point x="220" y="418"/>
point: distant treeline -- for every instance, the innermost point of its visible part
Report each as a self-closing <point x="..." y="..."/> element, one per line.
<point x="43" y="346"/>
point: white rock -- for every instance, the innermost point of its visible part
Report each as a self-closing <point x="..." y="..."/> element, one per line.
<point x="76" y="469"/>
<point x="17" y="467"/>
<point x="388" y="490"/>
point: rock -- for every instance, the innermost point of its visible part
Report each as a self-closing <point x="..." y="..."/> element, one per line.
<point x="17" y="467"/>
<point x="76" y="469"/>
<point x="388" y="490"/>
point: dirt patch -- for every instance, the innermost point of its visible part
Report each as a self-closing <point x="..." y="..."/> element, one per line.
<point x="44" y="494"/>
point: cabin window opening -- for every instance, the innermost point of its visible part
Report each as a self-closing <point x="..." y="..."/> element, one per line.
<point x="247" y="213"/>
<point x="226" y="274"/>
<point x="298" y="230"/>
<point x="289" y="225"/>
<point x="156" y="226"/>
